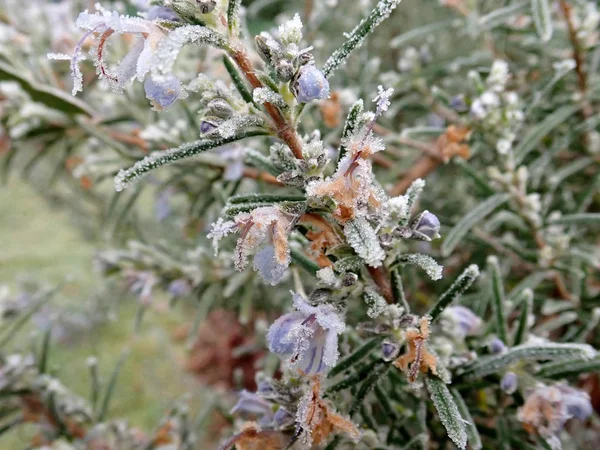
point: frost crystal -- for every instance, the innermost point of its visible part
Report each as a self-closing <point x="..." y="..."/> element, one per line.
<point x="363" y="239"/>
<point x="425" y="262"/>
<point x="266" y="95"/>
<point x="291" y="31"/>
<point x="376" y="303"/>
<point x="383" y="99"/>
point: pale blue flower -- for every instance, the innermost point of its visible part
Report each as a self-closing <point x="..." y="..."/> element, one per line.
<point x="307" y="337"/>
<point x="311" y="84"/>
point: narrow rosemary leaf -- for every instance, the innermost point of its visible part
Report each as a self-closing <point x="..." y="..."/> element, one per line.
<point x="529" y="282"/>
<point x="355" y="39"/>
<point x="447" y="411"/>
<point x="358" y="376"/>
<point x="398" y="290"/>
<point x="355" y="357"/>
<point x="110" y="387"/>
<point x="419" y="442"/>
<point x="231" y="211"/>
<point x="475" y="175"/>
<point x="458" y="288"/>
<point x="472" y="434"/>
<point x="412" y="195"/>
<point x="363" y="239"/>
<point x="299" y="258"/>
<point x="468" y="221"/>
<point x="538" y="132"/>
<point x="425" y="262"/>
<point x="522" y="324"/>
<point x="233" y="11"/>
<point x="542" y="18"/>
<point x="571" y="219"/>
<point x="260" y="161"/>
<point x="498" y="298"/>
<point x="45" y="351"/>
<point x="550" y="351"/>
<point x="265" y="198"/>
<point x="350" y="125"/>
<point x="499" y="16"/>
<point x="237" y="80"/>
<point x="561" y="369"/>
<point x="385" y="404"/>
<point x="156" y="159"/>
<point x="368" y="386"/>
<point x="424" y="31"/>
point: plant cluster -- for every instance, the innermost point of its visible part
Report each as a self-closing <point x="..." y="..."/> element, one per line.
<point x="471" y="139"/>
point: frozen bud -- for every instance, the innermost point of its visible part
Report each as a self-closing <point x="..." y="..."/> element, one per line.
<point x="458" y="103"/>
<point x="252" y="406"/>
<point x="509" y="382"/>
<point x="578" y="404"/>
<point x="207" y="125"/>
<point x="349" y="279"/>
<point x="162" y="13"/>
<point x="269" y="49"/>
<point x="206" y="6"/>
<point x="496" y="346"/>
<point x="162" y="93"/>
<point x="284" y="70"/>
<point x="319" y="296"/>
<point x="220" y="108"/>
<point x="426" y="226"/>
<point x="389" y="350"/>
<point x="180" y="288"/>
<point x="466" y="321"/>
<point x="310" y="84"/>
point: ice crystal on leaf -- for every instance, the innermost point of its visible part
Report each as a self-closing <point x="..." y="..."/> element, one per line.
<point x="363" y="239"/>
<point x="307" y="337"/>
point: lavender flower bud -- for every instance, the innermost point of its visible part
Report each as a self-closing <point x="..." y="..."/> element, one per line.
<point x="206" y="6"/>
<point x="162" y="93"/>
<point x="160" y="12"/>
<point x="208" y="125"/>
<point x="509" y="382"/>
<point x="179" y="288"/>
<point x="284" y="70"/>
<point x="426" y="226"/>
<point x="310" y="84"/>
<point x="389" y="350"/>
<point x="496" y="346"/>
<point x="283" y="418"/>
<point x="578" y="404"/>
<point x="466" y="321"/>
<point x="269" y="49"/>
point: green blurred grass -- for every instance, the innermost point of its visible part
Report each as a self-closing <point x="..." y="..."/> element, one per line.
<point x="40" y="241"/>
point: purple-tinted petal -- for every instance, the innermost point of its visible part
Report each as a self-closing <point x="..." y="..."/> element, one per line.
<point x="279" y="332"/>
<point x="267" y="266"/>
<point x="160" y="12"/>
<point x="509" y="382"/>
<point x="311" y="84"/>
<point x="162" y="93"/>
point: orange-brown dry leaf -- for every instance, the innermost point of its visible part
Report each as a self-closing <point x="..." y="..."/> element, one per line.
<point x="418" y="358"/>
<point x="252" y="438"/>
<point x="320" y="420"/>
<point x="450" y="143"/>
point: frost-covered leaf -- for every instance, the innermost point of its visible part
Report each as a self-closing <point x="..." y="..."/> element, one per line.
<point x="425" y="262"/>
<point x="357" y="36"/>
<point x="459" y="287"/>
<point x="363" y="239"/>
<point x="548" y="351"/>
<point x="375" y="302"/>
<point x="498" y="301"/>
<point x="447" y="411"/>
<point x="469" y="220"/>
<point x="473" y="437"/>
<point x="542" y="18"/>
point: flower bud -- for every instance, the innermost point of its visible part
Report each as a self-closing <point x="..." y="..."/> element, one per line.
<point x="162" y="13"/>
<point x="268" y="48"/>
<point x="283" y="418"/>
<point x="496" y="346"/>
<point x="208" y="124"/>
<point x="206" y="6"/>
<point x="389" y="350"/>
<point x="349" y="279"/>
<point x="284" y="70"/>
<point x="426" y="226"/>
<point x="220" y="108"/>
<point x="310" y="84"/>
<point x="509" y="382"/>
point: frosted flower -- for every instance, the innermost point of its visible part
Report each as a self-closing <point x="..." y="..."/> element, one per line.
<point x="310" y="84"/>
<point x="464" y="321"/>
<point x="308" y="337"/>
<point x="180" y="287"/>
<point x="266" y="227"/>
<point x="496" y="346"/>
<point x="101" y="25"/>
<point x="141" y="283"/>
<point x="547" y="409"/>
<point x="509" y="382"/>
<point x="383" y="98"/>
<point x="426" y="226"/>
<point x="252" y="406"/>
